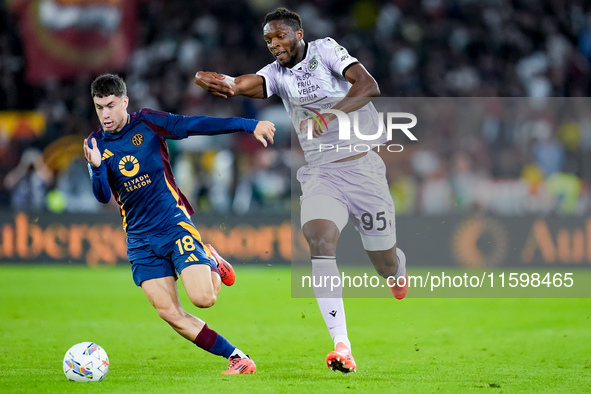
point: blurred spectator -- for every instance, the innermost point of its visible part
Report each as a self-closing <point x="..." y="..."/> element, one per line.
<point x="77" y="195"/>
<point x="565" y="189"/>
<point x="463" y="182"/>
<point x="475" y="154"/>
<point x="29" y="181"/>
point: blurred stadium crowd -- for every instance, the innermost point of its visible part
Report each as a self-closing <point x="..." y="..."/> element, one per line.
<point x="429" y="49"/>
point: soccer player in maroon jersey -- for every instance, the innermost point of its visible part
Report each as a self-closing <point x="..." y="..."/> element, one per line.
<point x="128" y="158"/>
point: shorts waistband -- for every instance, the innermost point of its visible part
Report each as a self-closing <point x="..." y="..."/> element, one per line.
<point x="350" y="163"/>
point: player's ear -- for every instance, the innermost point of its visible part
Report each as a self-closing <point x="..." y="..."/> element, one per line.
<point x="300" y="34"/>
<point x="125" y="102"/>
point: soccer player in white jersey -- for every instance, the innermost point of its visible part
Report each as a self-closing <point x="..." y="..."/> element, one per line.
<point x="337" y="184"/>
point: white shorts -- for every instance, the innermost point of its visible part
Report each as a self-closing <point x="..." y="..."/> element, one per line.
<point x="355" y="190"/>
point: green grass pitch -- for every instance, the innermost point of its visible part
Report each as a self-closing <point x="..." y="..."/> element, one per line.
<point x="414" y="345"/>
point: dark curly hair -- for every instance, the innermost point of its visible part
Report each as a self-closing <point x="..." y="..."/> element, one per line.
<point x="290" y="18"/>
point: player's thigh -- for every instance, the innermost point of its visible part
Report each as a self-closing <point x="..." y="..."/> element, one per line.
<point x="184" y="246"/>
<point x="146" y="264"/>
<point x="195" y="265"/>
<point x="201" y="285"/>
<point x="324" y="207"/>
<point x="322" y="198"/>
<point x="371" y="206"/>
<point x="323" y="218"/>
<point x="375" y="221"/>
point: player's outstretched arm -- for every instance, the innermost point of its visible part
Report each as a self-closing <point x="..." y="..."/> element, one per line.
<point x="265" y="131"/>
<point x="250" y="85"/>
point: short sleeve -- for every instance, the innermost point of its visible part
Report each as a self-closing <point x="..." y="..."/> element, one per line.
<point x="336" y="57"/>
<point x="269" y="74"/>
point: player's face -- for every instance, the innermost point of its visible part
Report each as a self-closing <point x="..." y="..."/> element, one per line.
<point x="284" y="43"/>
<point x="112" y="112"/>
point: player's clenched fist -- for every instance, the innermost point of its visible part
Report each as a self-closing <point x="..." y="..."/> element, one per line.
<point x="217" y="84"/>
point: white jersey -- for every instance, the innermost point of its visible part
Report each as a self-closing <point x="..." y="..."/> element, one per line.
<point x="314" y="84"/>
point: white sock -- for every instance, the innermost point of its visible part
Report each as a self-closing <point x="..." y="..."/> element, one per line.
<point x="330" y="300"/>
<point x="239" y="353"/>
<point x="401" y="262"/>
<point x="342" y="338"/>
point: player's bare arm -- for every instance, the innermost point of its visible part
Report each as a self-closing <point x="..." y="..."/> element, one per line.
<point x="264" y="131"/>
<point x="93" y="156"/>
<point x="250" y="85"/>
<point x="364" y="89"/>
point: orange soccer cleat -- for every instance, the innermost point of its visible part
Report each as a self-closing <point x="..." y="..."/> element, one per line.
<point x="399" y="291"/>
<point x="227" y="273"/>
<point x="341" y="359"/>
<point x="240" y="365"/>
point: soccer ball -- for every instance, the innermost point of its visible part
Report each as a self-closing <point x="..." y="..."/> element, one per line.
<point x="86" y="362"/>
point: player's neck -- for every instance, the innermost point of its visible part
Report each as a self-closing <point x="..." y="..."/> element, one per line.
<point x="302" y="49"/>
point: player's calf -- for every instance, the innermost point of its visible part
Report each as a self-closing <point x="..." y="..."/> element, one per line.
<point x="172" y="315"/>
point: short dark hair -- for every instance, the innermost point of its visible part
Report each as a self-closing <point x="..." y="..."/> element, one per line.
<point x="108" y="84"/>
<point x="290" y="18"/>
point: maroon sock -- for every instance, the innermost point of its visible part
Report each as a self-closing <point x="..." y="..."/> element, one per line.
<point x="211" y="341"/>
<point x="206" y="338"/>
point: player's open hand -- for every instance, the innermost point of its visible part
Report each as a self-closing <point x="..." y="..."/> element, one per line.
<point x="317" y="129"/>
<point x="217" y="84"/>
<point x="265" y="131"/>
<point x="92" y="155"/>
<point x="317" y="125"/>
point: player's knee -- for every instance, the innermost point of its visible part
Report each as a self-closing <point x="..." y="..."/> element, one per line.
<point x="321" y="237"/>
<point x="322" y="246"/>
<point x="203" y="300"/>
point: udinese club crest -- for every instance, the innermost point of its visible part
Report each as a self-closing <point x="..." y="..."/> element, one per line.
<point x="313" y="64"/>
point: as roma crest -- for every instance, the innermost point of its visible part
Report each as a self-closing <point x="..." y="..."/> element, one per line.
<point x="137" y="139"/>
